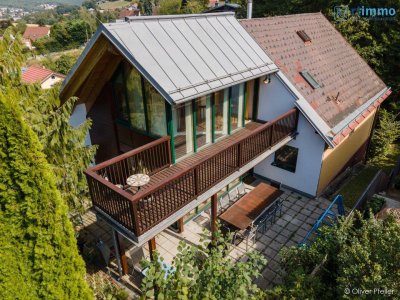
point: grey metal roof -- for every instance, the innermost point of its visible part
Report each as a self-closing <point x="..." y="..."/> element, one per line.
<point x="186" y="56"/>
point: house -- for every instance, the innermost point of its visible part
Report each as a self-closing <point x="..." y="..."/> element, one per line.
<point x="130" y="11"/>
<point x="196" y="103"/>
<point x="334" y="88"/>
<point x="34" y="32"/>
<point x="45" y="77"/>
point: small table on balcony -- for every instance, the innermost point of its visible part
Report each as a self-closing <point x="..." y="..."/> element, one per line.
<point x="138" y="180"/>
<point x="251" y="206"/>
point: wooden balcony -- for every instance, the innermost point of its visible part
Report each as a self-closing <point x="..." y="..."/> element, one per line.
<point x="173" y="187"/>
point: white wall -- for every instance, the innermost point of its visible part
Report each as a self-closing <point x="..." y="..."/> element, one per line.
<point x="77" y="118"/>
<point x="52" y="80"/>
<point x="274" y="100"/>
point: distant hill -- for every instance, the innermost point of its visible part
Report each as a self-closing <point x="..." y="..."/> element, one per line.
<point x="31" y="4"/>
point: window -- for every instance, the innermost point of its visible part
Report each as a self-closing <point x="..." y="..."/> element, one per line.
<point x="203" y="121"/>
<point x="237" y="100"/>
<point x="221" y="103"/>
<point x="120" y="97"/>
<point x="310" y="79"/>
<point x="135" y="98"/>
<point x="286" y="158"/>
<point x="183" y="127"/>
<point x="155" y="111"/>
<point x="304" y="36"/>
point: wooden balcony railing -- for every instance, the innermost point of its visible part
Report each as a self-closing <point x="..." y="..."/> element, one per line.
<point x="150" y="206"/>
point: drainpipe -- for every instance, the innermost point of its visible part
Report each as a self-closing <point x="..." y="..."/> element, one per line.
<point x="249" y="8"/>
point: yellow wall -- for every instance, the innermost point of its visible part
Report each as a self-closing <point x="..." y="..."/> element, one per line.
<point x="334" y="160"/>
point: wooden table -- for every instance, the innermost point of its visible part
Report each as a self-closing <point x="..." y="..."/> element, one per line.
<point x="248" y="208"/>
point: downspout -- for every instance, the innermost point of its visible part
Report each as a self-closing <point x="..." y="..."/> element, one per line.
<point x="249" y="9"/>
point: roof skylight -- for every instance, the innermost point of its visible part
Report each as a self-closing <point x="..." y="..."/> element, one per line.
<point x="304" y="36"/>
<point x="310" y="79"/>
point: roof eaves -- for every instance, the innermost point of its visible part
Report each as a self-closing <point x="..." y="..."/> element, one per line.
<point x="346" y="121"/>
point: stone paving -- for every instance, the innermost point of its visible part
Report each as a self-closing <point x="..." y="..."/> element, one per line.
<point x="299" y="213"/>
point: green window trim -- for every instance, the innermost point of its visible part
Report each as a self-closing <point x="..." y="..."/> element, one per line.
<point x="244" y="105"/>
<point x="170" y="130"/>
<point x="213" y="118"/>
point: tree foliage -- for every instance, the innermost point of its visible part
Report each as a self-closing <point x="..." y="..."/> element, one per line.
<point x="387" y="133"/>
<point x="38" y="251"/>
<point x="204" y="272"/>
<point x="62" y="65"/>
<point x="63" y="145"/>
<point x="358" y="253"/>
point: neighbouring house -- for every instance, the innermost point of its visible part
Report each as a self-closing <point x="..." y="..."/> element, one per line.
<point x="196" y="103"/>
<point x="334" y="88"/>
<point x="130" y="11"/>
<point x="34" y="32"/>
<point x="45" y="77"/>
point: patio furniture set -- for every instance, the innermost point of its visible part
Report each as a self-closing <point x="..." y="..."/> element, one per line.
<point x="250" y="212"/>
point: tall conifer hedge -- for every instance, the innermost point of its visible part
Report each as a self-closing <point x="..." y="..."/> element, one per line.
<point x="38" y="252"/>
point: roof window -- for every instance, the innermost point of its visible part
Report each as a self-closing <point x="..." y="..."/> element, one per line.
<point x="310" y="79"/>
<point x="304" y="36"/>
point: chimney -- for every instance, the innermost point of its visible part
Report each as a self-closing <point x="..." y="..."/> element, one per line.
<point x="249" y="8"/>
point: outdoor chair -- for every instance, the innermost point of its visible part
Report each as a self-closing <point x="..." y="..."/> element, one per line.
<point x="233" y="195"/>
<point x="278" y="208"/>
<point x="251" y="234"/>
<point x="241" y="190"/>
<point x="223" y="203"/>
<point x="266" y="218"/>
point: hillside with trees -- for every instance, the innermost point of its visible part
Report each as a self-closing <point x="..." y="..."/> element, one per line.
<point x="33" y="4"/>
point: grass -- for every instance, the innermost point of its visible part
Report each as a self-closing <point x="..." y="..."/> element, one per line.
<point x="111" y="5"/>
<point x="387" y="163"/>
<point x="353" y="189"/>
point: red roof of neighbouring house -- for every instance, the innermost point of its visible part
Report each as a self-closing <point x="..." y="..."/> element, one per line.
<point x="35" y="74"/>
<point x="129" y="12"/>
<point x="346" y="82"/>
<point x="34" y="33"/>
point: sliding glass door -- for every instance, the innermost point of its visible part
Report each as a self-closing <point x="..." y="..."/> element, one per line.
<point x="203" y="119"/>
<point x="183" y="129"/>
<point x="236" y="106"/>
<point x="221" y="112"/>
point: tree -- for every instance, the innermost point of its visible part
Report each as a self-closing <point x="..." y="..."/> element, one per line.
<point x="386" y="134"/>
<point x="38" y="251"/>
<point x="89" y="4"/>
<point x="204" y="272"/>
<point x="357" y="253"/>
<point x="63" y="145"/>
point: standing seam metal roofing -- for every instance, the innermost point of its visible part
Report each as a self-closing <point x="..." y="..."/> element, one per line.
<point x="187" y="56"/>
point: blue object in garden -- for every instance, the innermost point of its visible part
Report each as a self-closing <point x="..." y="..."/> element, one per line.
<point x="328" y="217"/>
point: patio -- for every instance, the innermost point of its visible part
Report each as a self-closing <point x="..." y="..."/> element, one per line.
<point x="298" y="215"/>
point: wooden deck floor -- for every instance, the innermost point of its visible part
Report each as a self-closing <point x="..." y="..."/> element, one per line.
<point x="206" y="151"/>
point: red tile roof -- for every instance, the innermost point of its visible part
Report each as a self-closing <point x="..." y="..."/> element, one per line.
<point x="334" y="64"/>
<point x="35" y="74"/>
<point x="34" y="33"/>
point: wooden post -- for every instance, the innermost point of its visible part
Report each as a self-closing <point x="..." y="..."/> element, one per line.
<point x="152" y="247"/>
<point x="180" y="225"/>
<point x="214" y="204"/>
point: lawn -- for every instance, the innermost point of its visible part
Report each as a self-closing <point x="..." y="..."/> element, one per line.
<point x="353" y="189"/>
<point x="111" y="5"/>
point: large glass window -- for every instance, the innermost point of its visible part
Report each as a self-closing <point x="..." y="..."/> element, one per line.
<point x="237" y="101"/>
<point x="183" y="127"/>
<point x="155" y="111"/>
<point x="120" y="97"/>
<point x="135" y="98"/>
<point x="221" y="102"/>
<point x="203" y="121"/>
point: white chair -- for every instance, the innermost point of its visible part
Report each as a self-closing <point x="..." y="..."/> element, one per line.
<point x="251" y="234"/>
<point x="241" y="190"/>
<point x="223" y="203"/>
<point x="233" y="195"/>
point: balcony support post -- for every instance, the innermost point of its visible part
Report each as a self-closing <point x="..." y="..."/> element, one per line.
<point x="181" y="226"/>
<point x="122" y="260"/>
<point x="152" y="247"/>
<point x="214" y="204"/>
